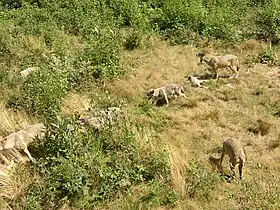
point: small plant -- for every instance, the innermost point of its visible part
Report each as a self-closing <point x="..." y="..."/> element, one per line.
<point x="268" y="56"/>
<point x="199" y="182"/>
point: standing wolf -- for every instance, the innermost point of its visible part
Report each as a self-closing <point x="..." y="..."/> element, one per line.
<point x="236" y="154"/>
<point x="165" y="92"/>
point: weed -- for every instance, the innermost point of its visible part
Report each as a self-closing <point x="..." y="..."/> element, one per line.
<point x="273" y="144"/>
<point x="262" y="127"/>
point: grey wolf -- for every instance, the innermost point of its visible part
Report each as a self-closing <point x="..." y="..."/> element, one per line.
<point x="219" y="62"/>
<point x="166" y="92"/>
<point x="236" y="154"/>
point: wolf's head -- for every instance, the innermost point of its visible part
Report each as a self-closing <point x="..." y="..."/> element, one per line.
<point x="150" y="93"/>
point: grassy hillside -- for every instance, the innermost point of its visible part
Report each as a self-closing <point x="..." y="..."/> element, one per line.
<point x="96" y="54"/>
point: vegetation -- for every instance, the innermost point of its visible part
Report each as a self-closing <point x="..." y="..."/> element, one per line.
<point x="95" y="54"/>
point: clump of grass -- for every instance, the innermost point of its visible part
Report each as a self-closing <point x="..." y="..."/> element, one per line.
<point x="228" y="94"/>
<point x="213" y="114"/>
<point x="254" y="195"/>
<point x="160" y="194"/>
<point x="276" y="108"/>
<point x="260" y="90"/>
<point x="261" y="127"/>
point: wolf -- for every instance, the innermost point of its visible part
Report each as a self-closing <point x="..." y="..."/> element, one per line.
<point x="216" y="62"/>
<point x="20" y="140"/>
<point x="196" y="82"/>
<point x="236" y="154"/>
<point x="165" y="92"/>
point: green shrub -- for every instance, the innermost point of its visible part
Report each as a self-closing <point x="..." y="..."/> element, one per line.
<point x="6" y="41"/>
<point x="269" y="21"/>
<point x="182" y="36"/>
<point x="87" y="167"/>
<point x="211" y="19"/>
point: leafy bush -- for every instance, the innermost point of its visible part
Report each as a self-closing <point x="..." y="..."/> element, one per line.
<point x="40" y="94"/>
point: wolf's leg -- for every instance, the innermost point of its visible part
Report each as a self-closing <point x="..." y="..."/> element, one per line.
<point x="184" y="95"/>
<point x="4" y="159"/>
<point x="240" y="166"/>
<point x="203" y="80"/>
<point x="231" y="165"/>
<point x="233" y="71"/>
<point x="166" y="98"/>
<point x="202" y="86"/>
<point x="29" y="155"/>
<point x="182" y="92"/>
<point x="217" y="75"/>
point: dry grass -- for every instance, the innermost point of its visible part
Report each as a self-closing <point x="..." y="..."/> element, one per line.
<point x="198" y="124"/>
<point x="11" y="121"/>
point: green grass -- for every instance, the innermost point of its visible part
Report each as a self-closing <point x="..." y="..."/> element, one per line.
<point x="111" y="52"/>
